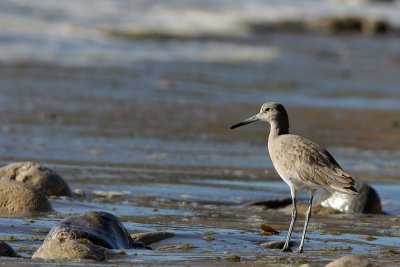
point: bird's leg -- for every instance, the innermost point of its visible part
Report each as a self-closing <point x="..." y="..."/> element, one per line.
<point x="294" y="216"/>
<point x="308" y="215"/>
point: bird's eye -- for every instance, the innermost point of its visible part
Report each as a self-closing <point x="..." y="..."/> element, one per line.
<point x="267" y="109"/>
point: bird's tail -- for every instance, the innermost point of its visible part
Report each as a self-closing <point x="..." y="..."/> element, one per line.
<point x="343" y="183"/>
<point x="350" y="188"/>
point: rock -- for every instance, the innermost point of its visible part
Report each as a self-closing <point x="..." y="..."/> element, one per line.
<point x="326" y="25"/>
<point x="268" y="230"/>
<point x="349" y="261"/>
<point x="111" y="194"/>
<point x="366" y="201"/>
<point x="88" y="236"/>
<point x="348" y="24"/>
<point x="277" y="244"/>
<point x="70" y="249"/>
<point x="7" y="251"/>
<point x="36" y="176"/>
<point x="151" y="237"/>
<point x="17" y="197"/>
<point x="285" y="205"/>
<point x="325" y="203"/>
<point x="273" y="203"/>
<point x="316" y="209"/>
<point x="312" y="265"/>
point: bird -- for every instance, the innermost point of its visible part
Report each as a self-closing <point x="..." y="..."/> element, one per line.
<point x="301" y="163"/>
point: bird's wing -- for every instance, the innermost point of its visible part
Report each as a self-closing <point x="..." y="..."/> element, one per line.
<point x="315" y="165"/>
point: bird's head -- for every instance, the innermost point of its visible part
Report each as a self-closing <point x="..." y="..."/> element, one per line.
<point x="270" y="112"/>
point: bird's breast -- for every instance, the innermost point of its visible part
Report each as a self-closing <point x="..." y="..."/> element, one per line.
<point x="282" y="165"/>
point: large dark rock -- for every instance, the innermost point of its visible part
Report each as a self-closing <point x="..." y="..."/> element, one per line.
<point x="366" y="201"/>
<point x="273" y="203"/>
<point x="325" y="203"/>
<point x="348" y="24"/>
<point x="37" y="177"/>
<point x="277" y="244"/>
<point x="88" y="236"/>
<point x="326" y="25"/>
<point x="19" y="198"/>
<point x="7" y="251"/>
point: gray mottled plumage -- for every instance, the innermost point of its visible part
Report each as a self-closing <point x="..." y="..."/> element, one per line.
<point x="308" y="165"/>
<point x="301" y="163"/>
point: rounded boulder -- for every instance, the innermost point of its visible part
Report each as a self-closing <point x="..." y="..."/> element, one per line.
<point x="366" y="201"/>
<point x="7" y="251"/>
<point x="350" y="261"/>
<point x="37" y="177"/>
<point x="19" y="198"/>
<point x="91" y="235"/>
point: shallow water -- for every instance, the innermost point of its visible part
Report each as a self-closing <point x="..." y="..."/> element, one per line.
<point x="148" y="139"/>
<point x="164" y="159"/>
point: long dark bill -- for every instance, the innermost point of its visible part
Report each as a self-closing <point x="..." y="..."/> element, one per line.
<point x="249" y="120"/>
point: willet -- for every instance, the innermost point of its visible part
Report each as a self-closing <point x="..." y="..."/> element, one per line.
<point x="301" y="163"/>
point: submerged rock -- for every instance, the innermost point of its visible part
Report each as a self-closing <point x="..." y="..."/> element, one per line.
<point x="37" y="177"/>
<point x="285" y="205"/>
<point x="312" y="265"/>
<point x="326" y="25"/>
<point x="88" y="236"/>
<point x="151" y="237"/>
<point x="349" y="261"/>
<point x="348" y="24"/>
<point x="277" y="244"/>
<point x="17" y="197"/>
<point x="317" y="209"/>
<point x="7" y="251"/>
<point x="325" y="203"/>
<point x="72" y="249"/>
<point x="366" y="201"/>
<point x="273" y="203"/>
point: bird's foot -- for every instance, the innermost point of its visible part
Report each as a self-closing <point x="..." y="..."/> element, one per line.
<point x="299" y="250"/>
<point x="286" y="249"/>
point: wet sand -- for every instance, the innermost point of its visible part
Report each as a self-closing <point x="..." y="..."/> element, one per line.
<point x="151" y="144"/>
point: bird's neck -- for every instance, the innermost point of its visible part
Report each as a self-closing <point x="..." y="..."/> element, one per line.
<point x="278" y="129"/>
